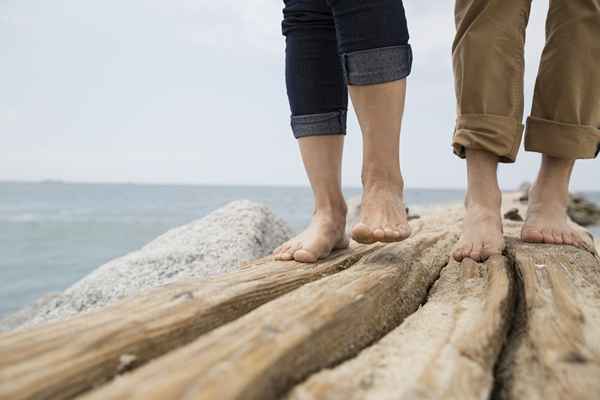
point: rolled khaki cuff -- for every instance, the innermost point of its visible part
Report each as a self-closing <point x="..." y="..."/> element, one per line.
<point x="562" y="140"/>
<point x="496" y="134"/>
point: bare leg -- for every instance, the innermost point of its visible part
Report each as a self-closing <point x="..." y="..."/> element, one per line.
<point x="482" y="227"/>
<point x="547" y="220"/>
<point x="379" y="109"/>
<point x="322" y="156"/>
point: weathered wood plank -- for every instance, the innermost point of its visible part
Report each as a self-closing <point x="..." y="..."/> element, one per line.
<point x="261" y="355"/>
<point x="63" y="359"/>
<point x="553" y="351"/>
<point x="445" y="350"/>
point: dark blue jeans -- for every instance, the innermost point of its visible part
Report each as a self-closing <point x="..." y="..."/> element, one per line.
<point x="334" y="43"/>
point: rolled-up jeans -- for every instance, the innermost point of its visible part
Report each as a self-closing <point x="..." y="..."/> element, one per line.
<point x="489" y="66"/>
<point x="334" y="43"/>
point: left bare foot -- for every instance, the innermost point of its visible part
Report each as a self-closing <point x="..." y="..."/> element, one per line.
<point x="324" y="235"/>
<point x="547" y="220"/>
<point x="383" y="214"/>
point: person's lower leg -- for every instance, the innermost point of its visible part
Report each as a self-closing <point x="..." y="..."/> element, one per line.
<point x="482" y="227"/>
<point x="379" y="109"/>
<point x="322" y="157"/>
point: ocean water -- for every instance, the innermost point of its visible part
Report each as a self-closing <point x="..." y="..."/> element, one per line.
<point x="53" y="234"/>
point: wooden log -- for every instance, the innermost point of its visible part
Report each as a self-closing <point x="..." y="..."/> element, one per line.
<point x="445" y="350"/>
<point x="261" y="355"/>
<point x="553" y="351"/>
<point x="63" y="359"/>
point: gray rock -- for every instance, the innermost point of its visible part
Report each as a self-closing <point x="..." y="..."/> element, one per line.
<point x="583" y="211"/>
<point x="239" y="232"/>
<point x="513" y="215"/>
<point x="23" y="315"/>
<point x="524" y="187"/>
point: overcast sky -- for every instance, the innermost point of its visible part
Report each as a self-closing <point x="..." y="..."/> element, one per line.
<point x="192" y="91"/>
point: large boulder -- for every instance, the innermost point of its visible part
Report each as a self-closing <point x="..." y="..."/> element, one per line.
<point x="239" y="232"/>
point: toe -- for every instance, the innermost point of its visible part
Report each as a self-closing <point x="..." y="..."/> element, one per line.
<point x="379" y="234"/>
<point x="362" y="233"/>
<point x="466" y="253"/>
<point x="476" y="252"/>
<point x="547" y="235"/>
<point x="404" y="230"/>
<point x="567" y="238"/>
<point x="282" y="251"/>
<point x="285" y="256"/>
<point x="463" y="251"/>
<point x="391" y="235"/>
<point x="305" y="256"/>
<point x="557" y="237"/>
<point x="531" y="235"/>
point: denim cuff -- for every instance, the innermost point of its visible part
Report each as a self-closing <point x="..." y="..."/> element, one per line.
<point x="332" y="123"/>
<point x="384" y="64"/>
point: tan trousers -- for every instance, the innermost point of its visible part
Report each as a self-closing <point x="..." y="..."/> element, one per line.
<point x="488" y="68"/>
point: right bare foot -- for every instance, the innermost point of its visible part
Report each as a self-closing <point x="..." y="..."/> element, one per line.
<point x="325" y="234"/>
<point x="482" y="234"/>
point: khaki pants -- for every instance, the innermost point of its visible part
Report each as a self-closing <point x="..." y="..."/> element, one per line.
<point x="488" y="67"/>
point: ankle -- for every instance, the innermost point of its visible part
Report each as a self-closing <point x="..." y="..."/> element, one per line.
<point x="334" y="213"/>
<point x="490" y="199"/>
<point x="484" y="194"/>
<point x="548" y="194"/>
<point x="552" y="183"/>
<point x="483" y="189"/>
<point x="376" y="179"/>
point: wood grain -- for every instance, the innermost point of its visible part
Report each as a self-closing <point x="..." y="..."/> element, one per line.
<point x="63" y="359"/>
<point x="261" y="355"/>
<point x="445" y="350"/>
<point x="554" y="348"/>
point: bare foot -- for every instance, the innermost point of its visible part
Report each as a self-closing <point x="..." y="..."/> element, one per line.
<point x="325" y="233"/>
<point x="383" y="214"/>
<point x="482" y="235"/>
<point x="547" y="220"/>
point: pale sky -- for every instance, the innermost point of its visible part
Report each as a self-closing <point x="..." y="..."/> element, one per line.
<point x="192" y="91"/>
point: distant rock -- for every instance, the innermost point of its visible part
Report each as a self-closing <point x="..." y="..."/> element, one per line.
<point x="239" y="232"/>
<point x="513" y="215"/>
<point x="524" y="187"/>
<point x="583" y="211"/>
